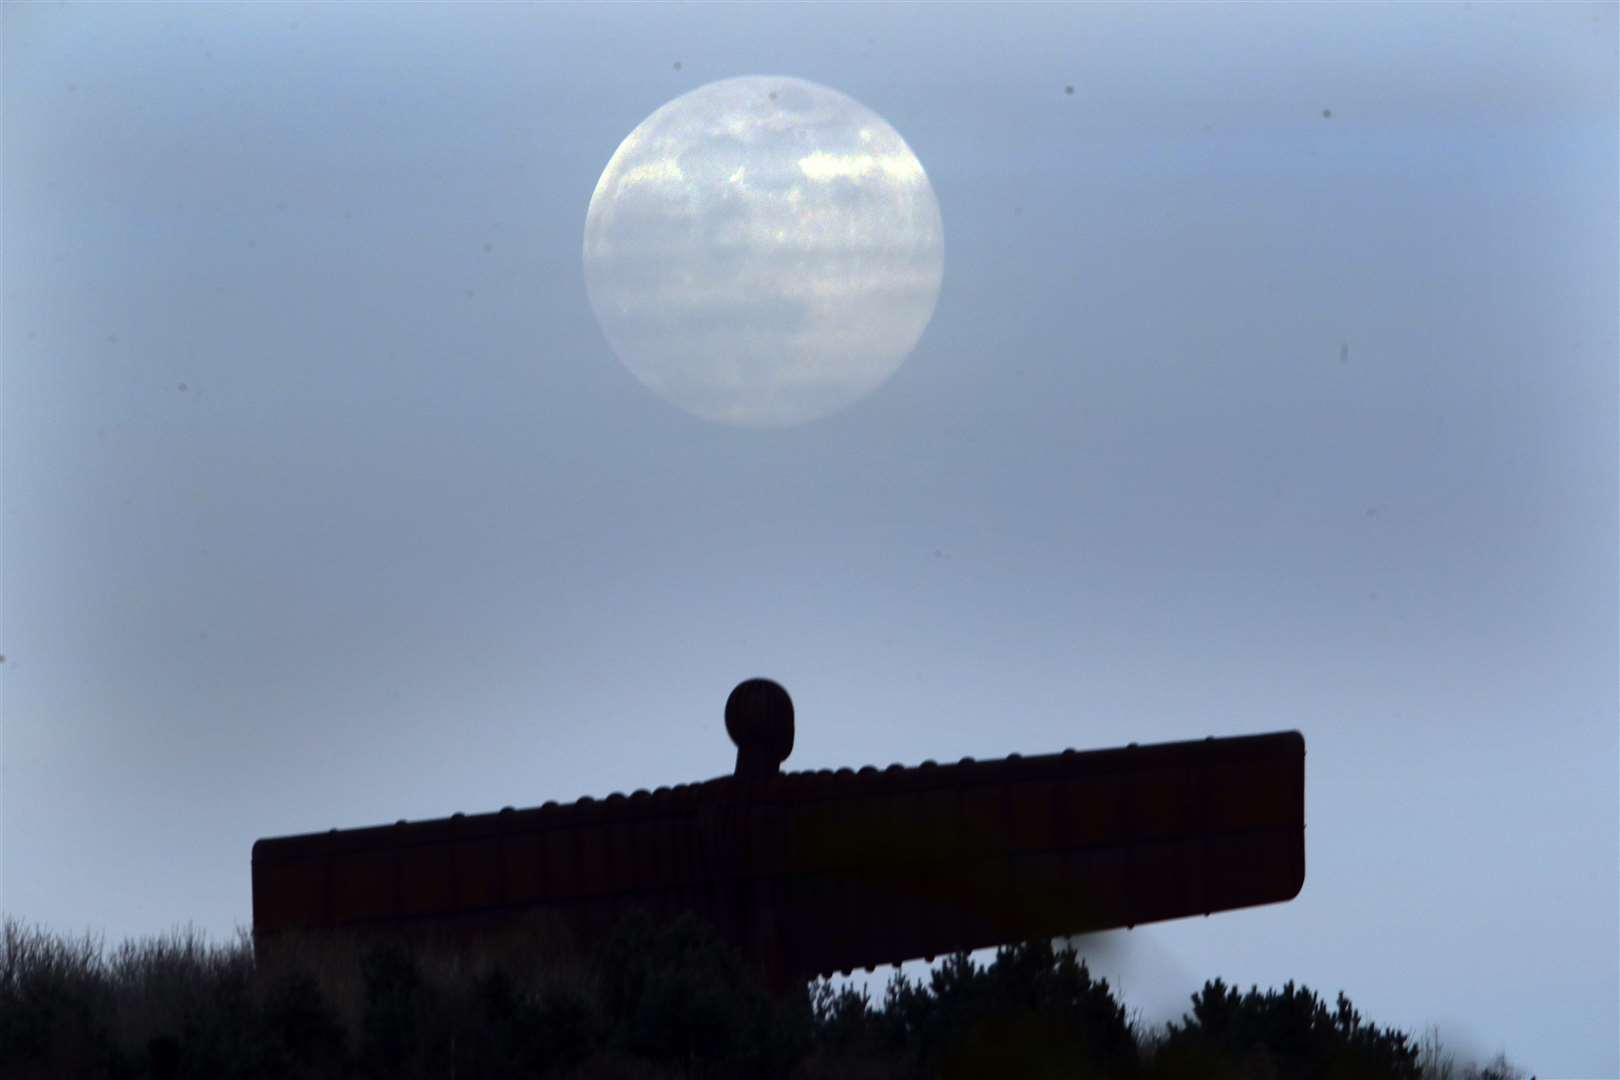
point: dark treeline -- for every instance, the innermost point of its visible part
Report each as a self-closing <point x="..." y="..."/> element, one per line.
<point x="650" y="1001"/>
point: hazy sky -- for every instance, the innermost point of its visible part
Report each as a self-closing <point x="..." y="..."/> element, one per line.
<point x="1272" y="384"/>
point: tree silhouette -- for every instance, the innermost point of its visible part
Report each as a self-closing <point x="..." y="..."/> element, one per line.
<point x="656" y="999"/>
<point x="1283" y="1033"/>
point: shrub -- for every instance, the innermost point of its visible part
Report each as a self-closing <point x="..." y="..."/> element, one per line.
<point x="1287" y="1033"/>
<point x="680" y="997"/>
<point x="1033" y="1011"/>
<point x="54" y="1004"/>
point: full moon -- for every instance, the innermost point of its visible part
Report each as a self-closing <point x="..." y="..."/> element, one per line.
<point x="763" y="251"/>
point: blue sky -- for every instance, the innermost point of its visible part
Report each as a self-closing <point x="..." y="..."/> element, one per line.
<point x="327" y="503"/>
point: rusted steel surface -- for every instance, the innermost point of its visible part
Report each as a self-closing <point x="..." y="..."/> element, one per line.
<point x="814" y="872"/>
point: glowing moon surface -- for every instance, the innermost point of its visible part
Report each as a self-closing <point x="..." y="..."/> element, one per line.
<point x="763" y="251"/>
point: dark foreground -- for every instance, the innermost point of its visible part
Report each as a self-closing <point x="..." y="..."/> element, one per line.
<point x="648" y="1002"/>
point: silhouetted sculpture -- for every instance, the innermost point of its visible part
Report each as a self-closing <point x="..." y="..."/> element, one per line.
<point x="815" y="872"/>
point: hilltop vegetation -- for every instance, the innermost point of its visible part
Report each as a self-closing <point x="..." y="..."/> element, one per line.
<point x="650" y="1002"/>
